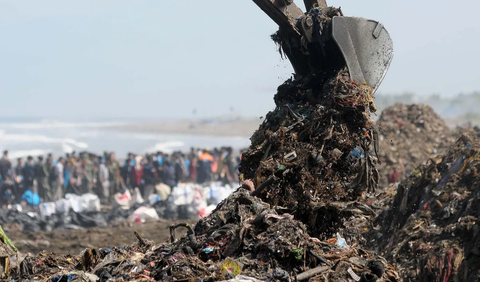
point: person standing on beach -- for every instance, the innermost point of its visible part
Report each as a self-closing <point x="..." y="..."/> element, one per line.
<point x="4" y="164"/>
<point x="19" y="170"/>
<point x="149" y="173"/>
<point x="193" y="165"/>
<point x="232" y="168"/>
<point x="137" y="173"/>
<point x="92" y="171"/>
<point x="57" y="179"/>
<point x="41" y="175"/>
<point x="114" y="174"/>
<point x="179" y="168"/>
<point x="29" y="174"/>
<point x="103" y="181"/>
<point x="126" y="171"/>
<point x="205" y="161"/>
<point x="18" y="176"/>
<point x="168" y="174"/>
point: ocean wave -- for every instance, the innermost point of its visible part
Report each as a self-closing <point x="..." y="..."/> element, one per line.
<point x="166" y="147"/>
<point x="67" y="148"/>
<point x="13" y="139"/>
<point x="89" y="134"/>
<point x="58" y="124"/>
<point x="24" y="153"/>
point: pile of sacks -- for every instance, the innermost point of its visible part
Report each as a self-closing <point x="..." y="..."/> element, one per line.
<point x="187" y="201"/>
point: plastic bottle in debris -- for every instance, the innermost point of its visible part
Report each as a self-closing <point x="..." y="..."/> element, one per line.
<point x="341" y="242"/>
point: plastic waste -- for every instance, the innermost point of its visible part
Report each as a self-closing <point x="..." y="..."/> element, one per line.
<point x="153" y="199"/>
<point x="230" y="267"/>
<point x="47" y="209"/>
<point x="217" y="193"/>
<point x="208" y="250"/>
<point x="84" y="203"/>
<point x="136" y="197"/>
<point x="163" y="191"/>
<point x="122" y="200"/>
<point x="341" y="242"/>
<point x="357" y="152"/>
<point x="62" y="206"/>
<point x="142" y="214"/>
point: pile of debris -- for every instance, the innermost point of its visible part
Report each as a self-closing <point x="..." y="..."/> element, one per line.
<point x="431" y="230"/>
<point x="301" y="216"/>
<point x="310" y="162"/>
<point x="315" y="150"/>
<point x="243" y="236"/>
<point x="409" y="135"/>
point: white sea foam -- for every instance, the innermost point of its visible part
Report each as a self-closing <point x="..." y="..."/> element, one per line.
<point x="7" y="139"/>
<point x="166" y="147"/>
<point x="24" y="153"/>
<point x="53" y="124"/>
<point x="67" y="148"/>
<point x="89" y="134"/>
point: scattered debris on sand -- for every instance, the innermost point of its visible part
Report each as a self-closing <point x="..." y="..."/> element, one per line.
<point x="243" y="236"/>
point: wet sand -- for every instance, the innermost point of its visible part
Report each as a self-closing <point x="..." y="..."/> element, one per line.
<point x="62" y="241"/>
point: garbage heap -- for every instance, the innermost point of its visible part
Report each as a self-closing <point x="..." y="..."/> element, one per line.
<point x="431" y="230"/>
<point x="409" y="135"/>
<point x="245" y="237"/>
<point x="299" y="217"/>
<point x="315" y="152"/>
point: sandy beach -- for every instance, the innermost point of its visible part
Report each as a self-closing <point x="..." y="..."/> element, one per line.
<point x="229" y="128"/>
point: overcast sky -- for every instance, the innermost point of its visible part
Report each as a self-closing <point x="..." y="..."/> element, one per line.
<point x="163" y="58"/>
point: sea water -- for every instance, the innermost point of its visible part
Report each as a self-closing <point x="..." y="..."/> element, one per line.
<point x="35" y="137"/>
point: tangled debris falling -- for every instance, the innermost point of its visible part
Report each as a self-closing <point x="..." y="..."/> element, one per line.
<point x="409" y="135"/>
<point x="317" y="147"/>
<point x="431" y="230"/>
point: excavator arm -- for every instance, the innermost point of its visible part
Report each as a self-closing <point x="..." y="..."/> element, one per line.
<point x="322" y="40"/>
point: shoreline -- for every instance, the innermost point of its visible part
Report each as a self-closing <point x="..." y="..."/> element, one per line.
<point x="240" y="128"/>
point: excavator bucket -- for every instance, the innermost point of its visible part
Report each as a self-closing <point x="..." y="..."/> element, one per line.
<point x="321" y="41"/>
<point x="366" y="47"/>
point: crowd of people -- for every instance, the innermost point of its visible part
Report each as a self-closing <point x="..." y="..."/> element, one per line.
<point x="47" y="179"/>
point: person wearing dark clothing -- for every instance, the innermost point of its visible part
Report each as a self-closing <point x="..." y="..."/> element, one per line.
<point x="29" y="173"/>
<point x="126" y="170"/>
<point x="18" y="178"/>
<point x="149" y="182"/>
<point x="116" y="182"/>
<point x="103" y="189"/>
<point x="19" y="169"/>
<point x="179" y="169"/>
<point x="192" y="167"/>
<point x="232" y="170"/>
<point x="4" y="164"/>
<point x="57" y="179"/>
<point x="41" y="175"/>
<point x="137" y="174"/>
<point x="7" y="190"/>
<point x="205" y="162"/>
<point x="168" y="175"/>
